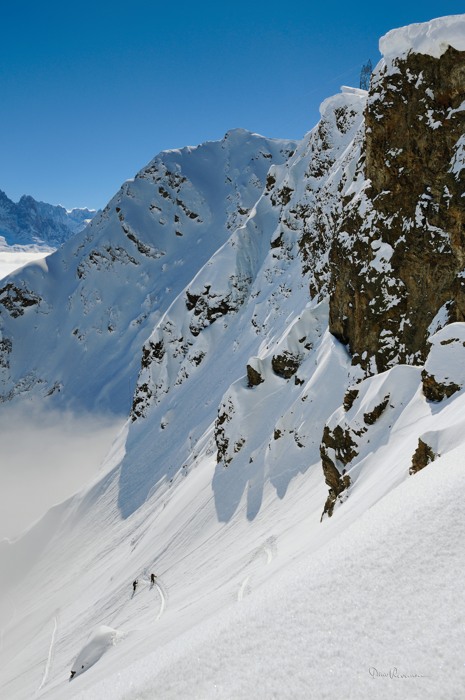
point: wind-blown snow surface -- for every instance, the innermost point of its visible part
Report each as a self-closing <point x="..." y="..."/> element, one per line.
<point x="377" y="613"/>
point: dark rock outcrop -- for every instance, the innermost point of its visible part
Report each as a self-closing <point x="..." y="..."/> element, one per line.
<point x="437" y="391"/>
<point x="285" y="365"/>
<point x="208" y="306"/>
<point x="254" y="378"/>
<point x="349" y="398"/>
<point x="16" y="299"/>
<point x="422" y="456"/>
<point x="336" y="447"/>
<point x="444" y="372"/>
<point x="371" y="417"/>
<point x="6" y="347"/>
<point x="399" y="252"/>
<point x="221" y="440"/>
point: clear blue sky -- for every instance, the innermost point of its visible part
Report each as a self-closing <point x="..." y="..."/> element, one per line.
<point x="91" y="91"/>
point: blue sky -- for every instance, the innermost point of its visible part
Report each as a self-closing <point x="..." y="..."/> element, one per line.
<point x="91" y="91"/>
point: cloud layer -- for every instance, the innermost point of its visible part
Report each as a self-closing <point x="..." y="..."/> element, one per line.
<point x="45" y="457"/>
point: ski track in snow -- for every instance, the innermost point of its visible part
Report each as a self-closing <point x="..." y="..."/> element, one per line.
<point x="162" y="599"/>
<point x="269" y="554"/>
<point x="148" y="587"/>
<point x="242" y="588"/>
<point x="48" y="663"/>
<point x="269" y="548"/>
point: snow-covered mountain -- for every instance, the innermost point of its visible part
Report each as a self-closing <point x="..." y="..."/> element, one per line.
<point x="29" y="222"/>
<point x="100" y="295"/>
<point x="282" y="325"/>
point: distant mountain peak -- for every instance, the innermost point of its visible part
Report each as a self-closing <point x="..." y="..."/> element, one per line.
<point x="32" y="222"/>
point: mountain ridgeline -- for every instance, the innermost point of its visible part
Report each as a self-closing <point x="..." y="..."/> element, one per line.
<point x="259" y="299"/>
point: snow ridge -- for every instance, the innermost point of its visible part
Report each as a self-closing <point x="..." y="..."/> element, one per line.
<point x="431" y="38"/>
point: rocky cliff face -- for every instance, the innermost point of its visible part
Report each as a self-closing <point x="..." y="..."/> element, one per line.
<point x="398" y="259"/>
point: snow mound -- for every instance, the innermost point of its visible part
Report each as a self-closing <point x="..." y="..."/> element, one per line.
<point x="348" y="97"/>
<point x="432" y="38"/>
<point x="102" y="639"/>
<point x="445" y="360"/>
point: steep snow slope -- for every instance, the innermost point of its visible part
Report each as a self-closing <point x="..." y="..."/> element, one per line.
<point x="73" y="574"/>
<point x="216" y="482"/>
<point x="376" y="613"/>
<point x="165" y="502"/>
<point x="88" y="309"/>
<point x="249" y="300"/>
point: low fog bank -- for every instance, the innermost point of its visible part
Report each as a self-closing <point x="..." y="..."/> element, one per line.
<point x="16" y="258"/>
<point x="45" y="457"/>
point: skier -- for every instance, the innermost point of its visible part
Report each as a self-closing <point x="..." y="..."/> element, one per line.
<point x="134" y="585"/>
<point x="73" y="673"/>
<point x="152" y="579"/>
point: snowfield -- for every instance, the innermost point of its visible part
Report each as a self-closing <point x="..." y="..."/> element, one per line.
<point x="362" y="610"/>
<point x="376" y="613"/>
<point x="366" y="604"/>
<point x="196" y="306"/>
